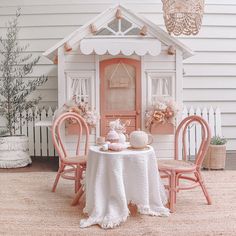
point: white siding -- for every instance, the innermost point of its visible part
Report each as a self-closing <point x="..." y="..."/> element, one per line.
<point x="210" y="76"/>
<point x="162" y="64"/>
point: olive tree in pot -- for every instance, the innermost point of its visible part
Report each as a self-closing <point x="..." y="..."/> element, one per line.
<point x="16" y="85"/>
<point x="216" y="154"/>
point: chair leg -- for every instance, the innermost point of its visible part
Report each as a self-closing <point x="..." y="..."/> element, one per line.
<point x="176" y="186"/>
<point x="77" y="197"/>
<point x="204" y="189"/>
<point x="60" y="170"/>
<point x="78" y="173"/>
<point x="172" y="191"/>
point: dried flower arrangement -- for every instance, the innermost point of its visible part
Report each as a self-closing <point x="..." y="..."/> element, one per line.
<point x="90" y="115"/>
<point x="82" y="108"/>
<point x="160" y="113"/>
<point x="119" y="126"/>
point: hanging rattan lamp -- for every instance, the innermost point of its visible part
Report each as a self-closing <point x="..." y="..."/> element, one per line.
<point x="183" y="16"/>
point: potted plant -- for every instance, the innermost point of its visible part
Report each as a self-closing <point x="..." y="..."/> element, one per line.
<point x="216" y="154"/>
<point x="15" y="88"/>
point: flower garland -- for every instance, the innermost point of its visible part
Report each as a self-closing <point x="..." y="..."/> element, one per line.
<point x="162" y="112"/>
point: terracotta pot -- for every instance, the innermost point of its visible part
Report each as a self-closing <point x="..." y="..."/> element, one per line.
<point x="14" y="152"/>
<point x="162" y="128"/>
<point x="215" y="157"/>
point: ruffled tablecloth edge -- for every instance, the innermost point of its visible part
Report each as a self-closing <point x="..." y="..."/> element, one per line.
<point x="106" y="223"/>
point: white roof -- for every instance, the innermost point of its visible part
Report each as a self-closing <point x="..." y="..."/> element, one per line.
<point x="126" y="45"/>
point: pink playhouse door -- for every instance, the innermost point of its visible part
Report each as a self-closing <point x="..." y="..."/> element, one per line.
<point x="120" y="92"/>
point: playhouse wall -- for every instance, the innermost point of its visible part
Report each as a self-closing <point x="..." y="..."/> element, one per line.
<point x="209" y="78"/>
<point x="76" y="62"/>
<point x="163" y="63"/>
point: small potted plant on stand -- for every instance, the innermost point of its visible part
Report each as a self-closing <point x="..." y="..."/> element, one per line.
<point x="15" y="89"/>
<point x="216" y="154"/>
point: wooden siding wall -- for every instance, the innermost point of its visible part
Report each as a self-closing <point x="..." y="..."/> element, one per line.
<point x="163" y="144"/>
<point x="210" y="76"/>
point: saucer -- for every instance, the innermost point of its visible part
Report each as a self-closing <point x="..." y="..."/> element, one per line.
<point x="138" y="149"/>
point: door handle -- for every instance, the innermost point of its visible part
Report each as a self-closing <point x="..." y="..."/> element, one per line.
<point x="138" y="112"/>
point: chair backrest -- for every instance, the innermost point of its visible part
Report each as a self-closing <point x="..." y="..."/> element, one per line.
<point x="57" y="133"/>
<point x="181" y="132"/>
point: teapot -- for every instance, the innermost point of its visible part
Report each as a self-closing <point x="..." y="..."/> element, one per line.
<point x="140" y="139"/>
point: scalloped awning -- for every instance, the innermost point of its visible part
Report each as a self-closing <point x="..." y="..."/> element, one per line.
<point x="125" y="46"/>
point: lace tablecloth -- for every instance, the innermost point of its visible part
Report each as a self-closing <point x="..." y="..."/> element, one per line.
<point x="115" y="179"/>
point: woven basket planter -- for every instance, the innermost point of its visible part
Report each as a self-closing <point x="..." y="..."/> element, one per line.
<point x="215" y="157"/>
<point x="14" y="152"/>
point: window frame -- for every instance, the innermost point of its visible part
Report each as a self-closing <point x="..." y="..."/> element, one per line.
<point x="90" y="76"/>
<point x="150" y="76"/>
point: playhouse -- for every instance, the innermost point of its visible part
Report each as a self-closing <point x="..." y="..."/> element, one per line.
<point x="120" y="63"/>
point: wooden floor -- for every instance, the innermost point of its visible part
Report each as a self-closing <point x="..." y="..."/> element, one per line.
<point x="28" y="207"/>
<point x="50" y="164"/>
<point x="39" y="164"/>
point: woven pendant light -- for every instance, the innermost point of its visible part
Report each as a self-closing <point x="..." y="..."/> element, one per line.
<point x="183" y="16"/>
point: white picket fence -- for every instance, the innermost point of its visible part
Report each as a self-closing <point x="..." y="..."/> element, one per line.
<point x="212" y="116"/>
<point x="40" y="142"/>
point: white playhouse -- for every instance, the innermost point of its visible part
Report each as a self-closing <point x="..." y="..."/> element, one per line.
<point x="120" y="63"/>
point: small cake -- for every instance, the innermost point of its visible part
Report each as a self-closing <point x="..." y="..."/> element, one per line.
<point x="116" y="147"/>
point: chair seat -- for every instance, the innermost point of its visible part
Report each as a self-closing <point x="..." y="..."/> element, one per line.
<point x="176" y="165"/>
<point x="76" y="160"/>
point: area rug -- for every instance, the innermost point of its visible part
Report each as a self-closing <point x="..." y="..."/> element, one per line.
<point x="28" y="207"/>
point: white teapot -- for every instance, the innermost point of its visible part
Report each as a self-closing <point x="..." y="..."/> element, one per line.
<point x="140" y="139"/>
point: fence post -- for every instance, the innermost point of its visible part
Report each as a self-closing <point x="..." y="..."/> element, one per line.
<point x="198" y="130"/>
<point x="191" y="135"/>
<point x="218" y="131"/>
<point x="30" y="132"/>
<point x="51" y="150"/>
<point x="44" y="141"/>
<point x="211" y="121"/>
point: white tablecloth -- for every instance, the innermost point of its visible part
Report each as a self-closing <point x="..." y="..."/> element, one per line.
<point x="115" y="179"/>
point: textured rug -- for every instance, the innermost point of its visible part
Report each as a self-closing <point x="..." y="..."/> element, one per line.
<point x="28" y="207"/>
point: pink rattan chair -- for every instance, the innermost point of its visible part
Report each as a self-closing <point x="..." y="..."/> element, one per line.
<point x="70" y="167"/>
<point x="176" y="169"/>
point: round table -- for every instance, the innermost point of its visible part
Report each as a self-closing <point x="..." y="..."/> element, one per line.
<point x="115" y="179"/>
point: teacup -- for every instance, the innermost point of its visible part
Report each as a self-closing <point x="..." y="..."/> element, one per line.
<point x="100" y="140"/>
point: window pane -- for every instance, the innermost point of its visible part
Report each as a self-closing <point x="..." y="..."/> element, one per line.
<point x="120" y="87"/>
<point x="104" y="31"/>
<point x="114" y="25"/>
<point x="161" y="87"/>
<point x="134" y="31"/>
<point x="125" y="25"/>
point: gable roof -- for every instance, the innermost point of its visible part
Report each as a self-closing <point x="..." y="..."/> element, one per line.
<point x="107" y="16"/>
